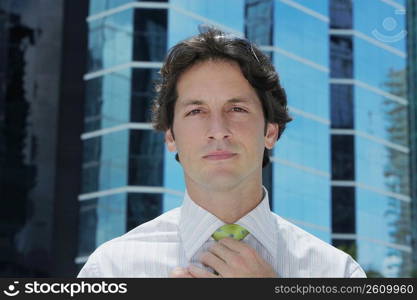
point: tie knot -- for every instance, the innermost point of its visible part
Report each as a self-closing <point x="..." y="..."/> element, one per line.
<point x="234" y="231"/>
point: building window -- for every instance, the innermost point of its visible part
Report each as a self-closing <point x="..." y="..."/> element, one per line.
<point x="343" y="209"/>
<point x="341" y="57"/>
<point x="146" y="158"/>
<point x="142" y="208"/>
<point x="347" y="246"/>
<point x="259" y="21"/>
<point x="150" y="35"/>
<point x="343" y="160"/>
<point x="341" y="14"/>
<point x="341" y="104"/>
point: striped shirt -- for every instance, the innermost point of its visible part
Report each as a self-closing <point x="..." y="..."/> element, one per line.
<point x="179" y="236"/>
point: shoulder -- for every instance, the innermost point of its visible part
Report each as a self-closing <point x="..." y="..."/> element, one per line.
<point x="123" y="250"/>
<point x="163" y="228"/>
<point x="313" y="257"/>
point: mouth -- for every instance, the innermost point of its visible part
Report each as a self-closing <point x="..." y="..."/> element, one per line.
<point x="219" y="155"/>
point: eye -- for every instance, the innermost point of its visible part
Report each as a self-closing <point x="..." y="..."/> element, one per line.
<point x="239" y="109"/>
<point x="193" y="112"/>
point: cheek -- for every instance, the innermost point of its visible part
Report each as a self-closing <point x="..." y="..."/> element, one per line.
<point x="252" y="136"/>
<point x="186" y="138"/>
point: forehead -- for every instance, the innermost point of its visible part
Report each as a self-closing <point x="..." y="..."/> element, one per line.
<point x="214" y="80"/>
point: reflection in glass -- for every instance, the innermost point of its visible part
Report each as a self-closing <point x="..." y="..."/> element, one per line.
<point x="373" y="161"/>
<point x="304" y="197"/>
<point x="142" y="94"/>
<point x="93" y="104"/>
<point x="150" y="36"/>
<point x="383" y="261"/>
<point x="302" y="35"/>
<point x="373" y="64"/>
<point x="97" y="6"/>
<point x="397" y="130"/>
<point x="142" y="208"/>
<point x="110" y="41"/>
<point x="397" y="170"/>
<point x="88" y="224"/>
<point x="341" y="57"/>
<point x="341" y="102"/>
<point x="341" y="14"/>
<point x="120" y="158"/>
<point x="347" y="246"/>
<point x="371" y="112"/>
<point x="107" y="101"/>
<point x="101" y="219"/>
<point x="343" y="209"/>
<point x="105" y="162"/>
<point x="259" y="30"/>
<point x="146" y="158"/>
<point x="259" y="21"/>
<point x="343" y="162"/>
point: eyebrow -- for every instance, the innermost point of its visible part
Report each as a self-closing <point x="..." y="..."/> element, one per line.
<point x="186" y="103"/>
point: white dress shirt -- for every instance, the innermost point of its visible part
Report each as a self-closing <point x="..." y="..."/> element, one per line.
<point x="179" y="236"/>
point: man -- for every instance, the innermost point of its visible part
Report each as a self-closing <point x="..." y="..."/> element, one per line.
<point x="222" y="109"/>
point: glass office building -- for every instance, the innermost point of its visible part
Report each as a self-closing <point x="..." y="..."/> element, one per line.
<point x="412" y="96"/>
<point x="370" y="150"/>
<point x="338" y="171"/>
<point x="122" y="171"/>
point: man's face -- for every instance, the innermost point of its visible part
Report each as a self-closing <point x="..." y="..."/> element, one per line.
<point x="219" y="126"/>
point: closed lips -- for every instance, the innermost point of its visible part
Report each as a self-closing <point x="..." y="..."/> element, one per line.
<point x="219" y="155"/>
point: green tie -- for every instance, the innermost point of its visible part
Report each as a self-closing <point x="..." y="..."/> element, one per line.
<point x="230" y="230"/>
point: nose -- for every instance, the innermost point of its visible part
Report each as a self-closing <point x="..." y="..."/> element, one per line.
<point x="218" y="127"/>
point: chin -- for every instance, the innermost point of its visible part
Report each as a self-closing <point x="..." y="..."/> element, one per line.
<point x="218" y="185"/>
<point x="211" y="172"/>
<point x="221" y="179"/>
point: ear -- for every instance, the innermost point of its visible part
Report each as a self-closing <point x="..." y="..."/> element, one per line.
<point x="271" y="135"/>
<point x="169" y="140"/>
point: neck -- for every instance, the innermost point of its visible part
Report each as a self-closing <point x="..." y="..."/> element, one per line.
<point x="228" y="204"/>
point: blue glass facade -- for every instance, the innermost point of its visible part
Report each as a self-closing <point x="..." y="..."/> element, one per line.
<point x="122" y="170"/>
<point x="412" y="96"/>
<point x="370" y="135"/>
<point x="301" y="178"/>
<point x="340" y="169"/>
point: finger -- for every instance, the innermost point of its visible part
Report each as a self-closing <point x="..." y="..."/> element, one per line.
<point x="200" y="273"/>
<point x="213" y="261"/>
<point x="180" y="273"/>
<point x="222" y="251"/>
<point x="233" y="244"/>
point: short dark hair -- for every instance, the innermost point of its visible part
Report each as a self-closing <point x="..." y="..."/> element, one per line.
<point x="214" y="44"/>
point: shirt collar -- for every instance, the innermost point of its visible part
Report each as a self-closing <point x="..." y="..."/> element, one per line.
<point x="196" y="225"/>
